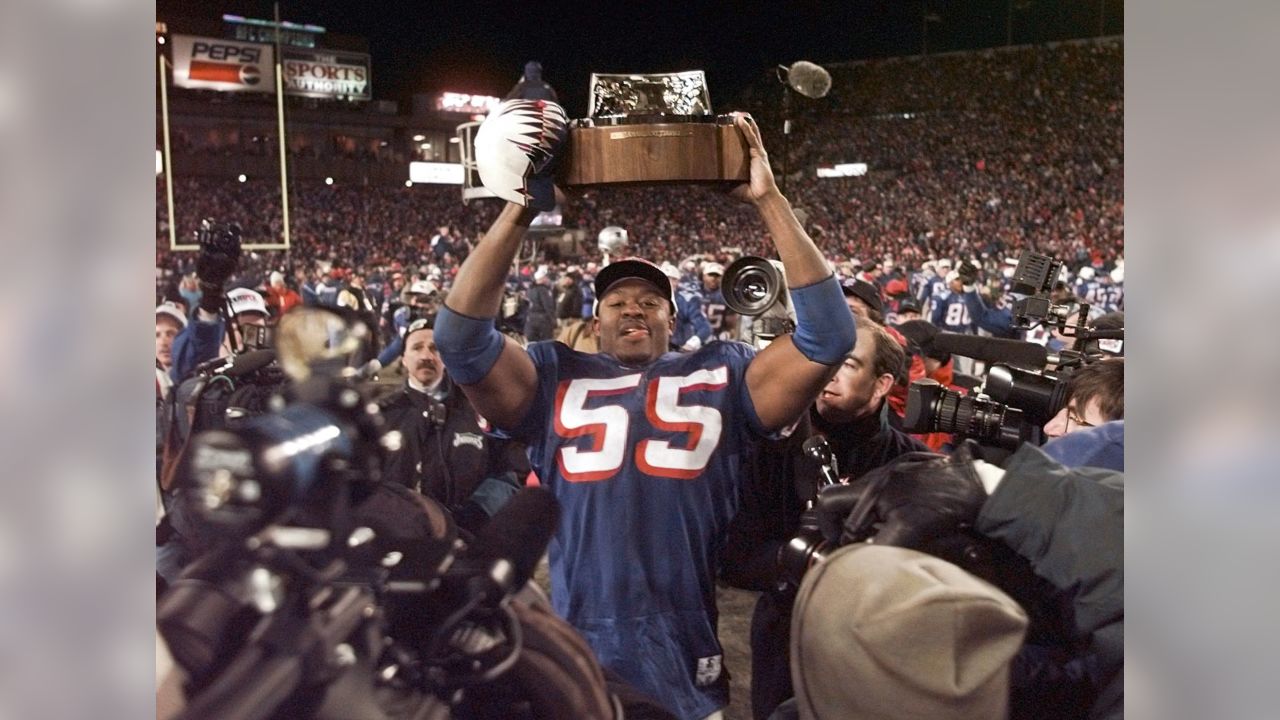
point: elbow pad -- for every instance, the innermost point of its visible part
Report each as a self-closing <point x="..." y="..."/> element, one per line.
<point x="469" y="347"/>
<point x="825" y="330"/>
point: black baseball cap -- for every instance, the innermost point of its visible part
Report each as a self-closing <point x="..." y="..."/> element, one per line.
<point x="864" y="291"/>
<point x="422" y="323"/>
<point x="909" y="305"/>
<point x="634" y="267"/>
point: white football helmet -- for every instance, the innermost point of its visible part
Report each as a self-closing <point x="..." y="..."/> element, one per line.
<point x="612" y="239"/>
<point x="516" y="142"/>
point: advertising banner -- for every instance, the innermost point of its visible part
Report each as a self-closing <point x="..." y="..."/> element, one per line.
<point x="435" y="173"/>
<point x="464" y="103"/>
<point x="335" y="74"/>
<point x="220" y="64"/>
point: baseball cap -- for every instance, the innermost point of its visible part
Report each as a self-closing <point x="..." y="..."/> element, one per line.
<point x="864" y="291"/>
<point x="634" y="267"/>
<point x="171" y="309"/>
<point x="908" y="305"/>
<point x="244" y="300"/>
<point x="422" y="323"/>
<point x="713" y="268"/>
<point x="944" y="263"/>
<point x="423" y="287"/>
<point x="881" y="631"/>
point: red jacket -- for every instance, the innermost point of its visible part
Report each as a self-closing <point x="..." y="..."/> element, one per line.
<point x="282" y="300"/>
<point x="898" y="394"/>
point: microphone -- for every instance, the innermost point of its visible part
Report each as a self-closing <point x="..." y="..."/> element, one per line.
<point x="1014" y="352"/>
<point x="510" y="545"/>
<point x="809" y="79"/>
<point x="237" y="365"/>
<point x="817" y="448"/>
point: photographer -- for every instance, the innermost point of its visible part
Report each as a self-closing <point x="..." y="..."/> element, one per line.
<point x="444" y="453"/>
<point x="852" y="414"/>
<point x="1065" y="528"/>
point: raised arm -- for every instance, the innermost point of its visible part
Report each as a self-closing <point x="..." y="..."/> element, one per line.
<point x="787" y="376"/>
<point x="493" y="371"/>
<point x="515" y="150"/>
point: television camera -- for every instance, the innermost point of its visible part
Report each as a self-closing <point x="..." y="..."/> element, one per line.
<point x="1026" y="385"/>
<point x="328" y="592"/>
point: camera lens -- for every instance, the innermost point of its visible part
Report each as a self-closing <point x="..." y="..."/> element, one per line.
<point x="754" y="289"/>
<point x="751" y="285"/>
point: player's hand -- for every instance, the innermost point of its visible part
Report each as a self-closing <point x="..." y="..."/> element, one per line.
<point x="761" y="183"/>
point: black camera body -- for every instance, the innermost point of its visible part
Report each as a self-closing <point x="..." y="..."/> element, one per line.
<point x="1011" y="408"/>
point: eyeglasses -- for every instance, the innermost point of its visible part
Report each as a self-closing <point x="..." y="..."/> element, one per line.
<point x="1074" y="417"/>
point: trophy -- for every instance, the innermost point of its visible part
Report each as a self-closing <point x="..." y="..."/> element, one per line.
<point x="653" y="129"/>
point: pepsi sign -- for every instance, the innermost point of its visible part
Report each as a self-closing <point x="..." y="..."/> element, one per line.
<point x="218" y="64"/>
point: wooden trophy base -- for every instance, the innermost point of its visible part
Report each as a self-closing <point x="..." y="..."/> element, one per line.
<point x="656" y="152"/>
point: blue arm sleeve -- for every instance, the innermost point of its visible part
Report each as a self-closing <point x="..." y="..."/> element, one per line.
<point x="392" y="351"/>
<point x="825" y="331"/>
<point x="468" y="346"/>
<point x="995" y="321"/>
<point x="199" y="341"/>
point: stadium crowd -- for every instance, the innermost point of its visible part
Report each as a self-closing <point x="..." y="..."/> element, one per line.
<point x="974" y="161"/>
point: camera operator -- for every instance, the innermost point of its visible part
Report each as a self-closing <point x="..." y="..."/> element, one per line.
<point x="206" y="337"/>
<point x="852" y="414"/>
<point x="1065" y="527"/>
<point x="1095" y="395"/>
<point x="444" y="452"/>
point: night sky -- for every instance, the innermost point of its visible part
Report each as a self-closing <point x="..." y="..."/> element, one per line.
<point x="480" y="47"/>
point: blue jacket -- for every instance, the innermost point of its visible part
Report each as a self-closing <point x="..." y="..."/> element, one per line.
<point x="199" y="341"/>
<point x="690" y="320"/>
<point x="1101" y="446"/>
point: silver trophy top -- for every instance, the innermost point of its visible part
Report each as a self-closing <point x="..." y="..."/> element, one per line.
<point x="683" y="93"/>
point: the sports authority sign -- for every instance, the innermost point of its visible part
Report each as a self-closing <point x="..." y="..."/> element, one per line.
<point x="326" y="74"/>
<point x="219" y="64"/>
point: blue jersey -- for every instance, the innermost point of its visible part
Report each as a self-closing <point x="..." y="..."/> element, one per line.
<point x="647" y="463"/>
<point x="931" y="294"/>
<point x="689" y="318"/>
<point x="714" y="308"/>
<point x="400" y="319"/>
<point x="953" y="312"/>
<point x="1086" y="290"/>
<point x="1106" y="297"/>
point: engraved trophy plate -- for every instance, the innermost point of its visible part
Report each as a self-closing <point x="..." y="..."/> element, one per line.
<point x="653" y="129"/>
